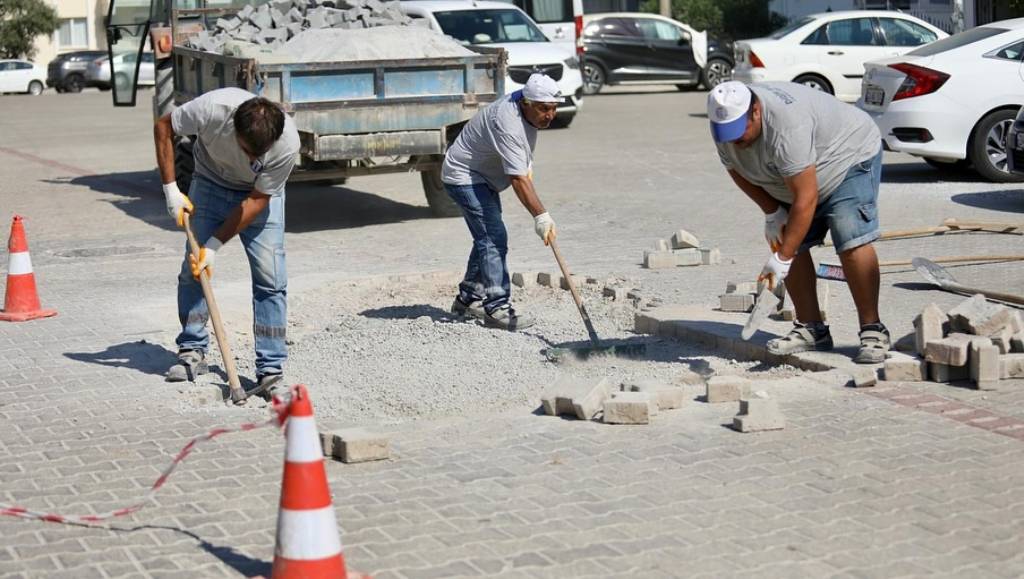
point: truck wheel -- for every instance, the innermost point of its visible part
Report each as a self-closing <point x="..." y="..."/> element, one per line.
<point x="184" y="163"/>
<point x="440" y="202"/>
<point x="987" y="150"/>
<point x="74" y="83"/>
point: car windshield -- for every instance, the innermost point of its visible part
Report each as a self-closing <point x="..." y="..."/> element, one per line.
<point x="957" y="40"/>
<point x="489" y="26"/>
<point x="790" y="28"/>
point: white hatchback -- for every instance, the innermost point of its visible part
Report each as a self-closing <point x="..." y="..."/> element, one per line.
<point x="827" y="51"/>
<point x="952" y="101"/>
<point x="22" y="76"/>
<point x="498" y="24"/>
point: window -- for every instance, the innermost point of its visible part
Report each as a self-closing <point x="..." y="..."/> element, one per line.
<point x="957" y="40"/>
<point x="489" y="26"/>
<point x="545" y="11"/>
<point x="1012" y="52"/>
<point x="4" y="66"/>
<point x="785" y="30"/>
<point x="73" y="32"/>
<point x="851" y="32"/>
<point x="657" y="30"/>
<point x="904" y="32"/>
<point x="22" y="66"/>
<point x="606" y="27"/>
<point x="887" y="4"/>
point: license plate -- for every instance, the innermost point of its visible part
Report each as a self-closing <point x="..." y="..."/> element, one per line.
<point x="874" y="96"/>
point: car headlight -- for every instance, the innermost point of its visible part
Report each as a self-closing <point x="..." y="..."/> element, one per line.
<point x="572" y="62"/>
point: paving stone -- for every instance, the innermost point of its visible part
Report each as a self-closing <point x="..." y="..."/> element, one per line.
<point x="758" y="413"/>
<point x="1016" y="321"/>
<point x="659" y="259"/>
<point x="668" y="397"/>
<point x="576" y="396"/>
<point x="352" y="445"/>
<point x="945" y="374"/>
<point x="710" y="256"/>
<point x="683" y="239"/>
<point x="630" y="408"/>
<point x="564" y="283"/>
<point x="978" y="316"/>
<point x="743" y="287"/>
<point x="229" y="24"/>
<point x="1011" y="366"/>
<point x="736" y="302"/>
<point x="687" y="257"/>
<point x="616" y="293"/>
<point x="1002" y="339"/>
<point x="951" y="350"/>
<point x="984" y="364"/>
<point x="928" y="327"/>
<point x="726" y="389"/>
<point x="662" y="245"/>
<point x="207" y="394"/>
<point x="524" y="280"/>
<point x="548" y="279"/>
<point x="903" y="368"/>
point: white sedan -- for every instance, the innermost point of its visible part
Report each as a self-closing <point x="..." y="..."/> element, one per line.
<point x="22" y="76"/>
<point x="827" y="51"/>
<point x="952" y="101"/>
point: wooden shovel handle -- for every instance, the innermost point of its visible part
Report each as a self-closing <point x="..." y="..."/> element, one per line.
<point x="575" y="295"/>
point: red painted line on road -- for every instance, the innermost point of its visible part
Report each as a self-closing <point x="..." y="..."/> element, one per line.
<point x="954" y="410"/>
<point x="47" y="162"/>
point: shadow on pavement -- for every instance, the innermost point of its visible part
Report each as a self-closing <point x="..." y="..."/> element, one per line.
<point x="924" y="173"/>
<point x="409" y="313"/>
<point x="309" y="207"/>
<point x="240" y="562"/>
<point x="142" y="356"/>
<point x="1010" y="201"/>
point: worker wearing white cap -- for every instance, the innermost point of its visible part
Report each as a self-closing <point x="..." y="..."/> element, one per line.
<point x="813" y="165"/>
<point x="493" y="151"/>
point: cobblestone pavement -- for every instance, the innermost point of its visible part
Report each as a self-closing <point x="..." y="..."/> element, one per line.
<point x="859" y="484"/>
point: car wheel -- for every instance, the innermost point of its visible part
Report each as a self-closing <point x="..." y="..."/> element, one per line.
<point x="35" y="88"/>
<point x="988" y="147"/>
<point x="814" y="81"/>
<point x="593" y="78"/>
<point x="74" y="83"/>
<point x="563" y="121"/>
<point x="717" y="71"/>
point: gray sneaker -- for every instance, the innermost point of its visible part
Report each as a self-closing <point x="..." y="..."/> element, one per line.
<point x="268" y="385"/>
<point x="801" y="339"/>
<point x="506" y="318"/>
<point x="874" y="343"/>
<point x="191" y="363"/>
<point x="473" y="310"/>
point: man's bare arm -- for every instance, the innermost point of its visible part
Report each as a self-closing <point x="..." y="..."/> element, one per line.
<point x="241" y="216"/>
<point x="163" y="136"/>
<point x="523" y="186"/>
<point x="804" y="186"/>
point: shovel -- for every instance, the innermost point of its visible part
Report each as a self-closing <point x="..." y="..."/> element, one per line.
<point x="937" y="275"/>
<point x="238" y="394"/>
<point x="767" y="302"/>
<point x="595" y="348"/>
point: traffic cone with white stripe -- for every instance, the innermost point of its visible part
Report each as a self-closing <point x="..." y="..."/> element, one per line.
<point x="308" y="544"/>
<point x="21" y="302"/>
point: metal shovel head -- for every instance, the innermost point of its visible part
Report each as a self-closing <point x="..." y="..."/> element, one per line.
<point x="767" y="302"/>
<point x="932" y="272"/>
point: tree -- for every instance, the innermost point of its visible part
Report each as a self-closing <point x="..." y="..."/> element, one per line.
<point x="700" y="14"/>
<point x="21" y="21"/>
<point x="729" y="19"/>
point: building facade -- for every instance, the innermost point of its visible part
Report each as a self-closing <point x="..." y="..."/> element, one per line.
<point x="81" y="28"/>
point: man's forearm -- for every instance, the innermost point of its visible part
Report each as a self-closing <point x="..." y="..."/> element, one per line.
<point x="801" y="213"/>
<point x="757" y="194"/>
<point x="163" y="136"/>
<point x="242" y="216"/>
<point x="523" y="186"/>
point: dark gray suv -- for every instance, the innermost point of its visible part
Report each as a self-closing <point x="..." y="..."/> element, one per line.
<point x="66" y="73"/>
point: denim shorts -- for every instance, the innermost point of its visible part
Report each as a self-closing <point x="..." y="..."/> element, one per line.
<point x="851" y="212"/>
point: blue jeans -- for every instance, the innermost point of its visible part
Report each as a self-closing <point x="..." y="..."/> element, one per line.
<point x="486" y="276"/>
<point x="851" y="212"/>
<point x="263" y="241"/>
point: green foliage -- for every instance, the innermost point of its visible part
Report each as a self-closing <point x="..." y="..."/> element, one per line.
<point x="731" y="19"/>
<point x="700" y="14"/>
<point x="21" y="21"/>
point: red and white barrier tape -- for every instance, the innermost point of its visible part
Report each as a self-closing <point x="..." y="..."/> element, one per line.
<point x="280" y="414"/>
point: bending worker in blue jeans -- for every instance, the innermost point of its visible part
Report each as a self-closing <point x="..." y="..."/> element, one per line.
<point x="495" y="150"/>
<point x="813" y="165"/>
<point x="245" y="149"/>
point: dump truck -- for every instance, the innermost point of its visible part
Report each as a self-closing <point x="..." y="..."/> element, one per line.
<point x="354" y="118"/>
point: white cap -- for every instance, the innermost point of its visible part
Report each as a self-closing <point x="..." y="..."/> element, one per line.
<point x="728" y="104"/>
<point x="542" y="89"/>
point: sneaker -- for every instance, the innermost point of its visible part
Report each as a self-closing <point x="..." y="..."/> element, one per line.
<point x="267" y="385"/>
<point x="473" y="310"/>
<point x="506" y="318"/>
<point x="802" y="338"/>
<point x="874" y="343"/>
<point x="191" y="363"/>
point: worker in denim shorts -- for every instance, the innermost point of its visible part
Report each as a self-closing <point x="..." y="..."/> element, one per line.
<point x="813" y="165"/>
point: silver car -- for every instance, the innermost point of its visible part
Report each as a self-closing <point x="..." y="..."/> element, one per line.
<point x="98" y="72"/>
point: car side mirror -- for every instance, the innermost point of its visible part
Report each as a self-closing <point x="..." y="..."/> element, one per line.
<point x="684" y="41"/>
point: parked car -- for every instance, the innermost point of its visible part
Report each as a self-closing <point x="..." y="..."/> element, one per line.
<point x="559" y="20"/>
<point x="827" y="51"/>
<point x="490" y="23"/>
<point x="633" y="48"/>
<point x="22" y="76"/>
<point x="98" y="72"/>
<point x="66" y="73"/>
<point x="952" y="101"/>
<point x="1015" y="145"/>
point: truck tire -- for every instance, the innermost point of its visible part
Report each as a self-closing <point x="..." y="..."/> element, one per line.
<point x="184" y="163"/>
<point x="987" y="149"/>
<point x="163" y="88"/>
<point x="441" y="204"/>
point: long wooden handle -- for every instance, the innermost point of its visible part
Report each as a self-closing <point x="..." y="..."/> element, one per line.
<point x="1000" y="296"/>
<point x="237" y="392"/>
<point x="958" y="259"/>
<point x="575" y="295"/>
<point x="994" y="226"/>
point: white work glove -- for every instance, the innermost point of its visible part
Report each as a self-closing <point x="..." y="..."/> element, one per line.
<point x="773" y="224"/>
<point x="207" y="255"/>
<point x="775" y="271"/>
<point x="177" y="203"/>
<point x="544" y="225"/>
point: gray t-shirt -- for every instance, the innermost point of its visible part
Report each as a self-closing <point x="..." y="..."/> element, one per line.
<point x="494" y="144"/>
<point x="802" y="127"/>
<point x="218" y="157"/>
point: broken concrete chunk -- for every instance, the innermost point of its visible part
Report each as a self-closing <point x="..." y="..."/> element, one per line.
<point x="928" y="327"/>
<point x="351" y="445"/>
<point x="978" y="316"/>
<point x="710" y="256"/>
<point x="630" y="408"/>
<point x="668" y="397"/>
<point x="984" y="365"/>
<point x="758" y="414"/>
<point x="951" y="350"/>
<point x="576" y="396"/>
<point x="209" y="394"/>
<point x="903" y="368"/>
<point x="736" y="302"/>
<point x="1011" y="366"/>
<point x="524" y="280"/>
<point x="726" y="389"/>
<point x="616" y="293"/>
<point x="229" y="24"/>
<point x="945" y="374"/>
<point x="683" y="239"/>
<point x="659" y="259"/>
<point x="662" y="245"/>
<point x="1002" y="339"/>
<point x="687" y="257"/>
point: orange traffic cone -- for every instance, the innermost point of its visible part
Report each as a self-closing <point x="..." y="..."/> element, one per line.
<point x="308" y="544"/>
<point x="22" y="302"/>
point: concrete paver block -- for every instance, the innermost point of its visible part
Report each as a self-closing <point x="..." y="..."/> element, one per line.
<point x="787" y="314"/>
<point x="616" y="293"/>
<point x="1002" y="338"/>
<point x="710" y="256"/>
<point x="687" y="257"/>
<point x="229" y="24"/>
<point x="547" y="279"/>
<point x="630" y="408"/>
<point x="945" y="374"/>
<point x="659" y="259"/>
<point x="903" y="368"/>
<point x="576" y="396"/>
<point x="743" y="287"/>
<point x="208" y="394"/>
<point x="862" y="376"/>
<point x="564" y="283"/>
<point x="690" y="378"/>
<point x="736" y="302"/>
<point x="352" y="445"/>
<point x="928" y="327"/>
<point x="984" y="364"/>
<point x="667" y="396"/>
<point x="1016" y="321"/>
<point x="951" y="350"/>
<point x="1011" y="366"/>
<point x="758" y="414"/>
<point x="726" y="389"/>
<point x="662" y="245"/>
<point x="524" y="280"/>
<point x="978" y="316"/>
<point x="683" y="239"/>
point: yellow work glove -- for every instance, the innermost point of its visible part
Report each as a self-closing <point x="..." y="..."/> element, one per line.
<point x="177" y="203"/>
<point x="207" y="255"/>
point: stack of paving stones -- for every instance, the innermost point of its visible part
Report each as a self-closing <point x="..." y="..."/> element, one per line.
<point x="758" y="412"/>
<point x="742" y="296"/>
<point x="683" y="250"/>
<point x="978" y="341"/>
<point x="600" y="399"/>
<point x="352" y="445"/>
<point x="273" y="23"/>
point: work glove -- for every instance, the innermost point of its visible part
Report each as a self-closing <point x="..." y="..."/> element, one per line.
<point x="775" y="271"/>
<point x="177" y="203"/>
<point x="207" y="255"/>
<point x="773" y="224"/>
<point x="544" y="225"/>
